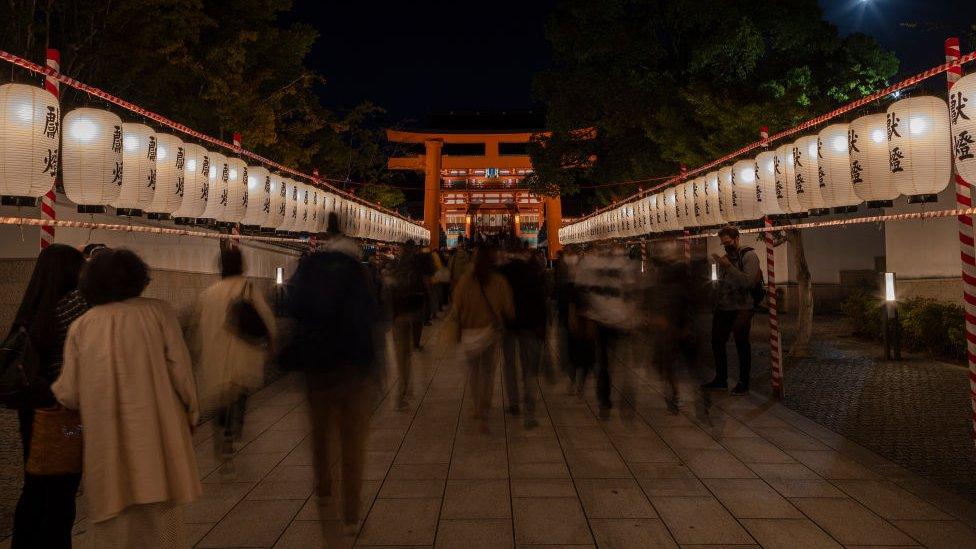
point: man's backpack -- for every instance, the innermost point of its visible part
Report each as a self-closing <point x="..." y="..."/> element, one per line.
<point x="758" y="290"/>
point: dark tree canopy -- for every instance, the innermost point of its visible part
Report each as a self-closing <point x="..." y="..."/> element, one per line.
<point x="665" y="82"/>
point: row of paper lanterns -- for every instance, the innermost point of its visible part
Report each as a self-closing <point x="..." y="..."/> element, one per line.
<point x="131" y="167"/>
<point x="907" y="150"/>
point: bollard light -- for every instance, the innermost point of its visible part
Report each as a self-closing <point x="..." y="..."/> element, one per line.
<point x="889" y="286"/>
<point x="279" y="275"/>
<point x="714" y="272"/>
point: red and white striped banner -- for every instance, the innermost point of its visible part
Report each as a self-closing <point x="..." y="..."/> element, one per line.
<point x="775" y="341"/>
<point x="50" y="198"/>
<point x="967" y="254"/>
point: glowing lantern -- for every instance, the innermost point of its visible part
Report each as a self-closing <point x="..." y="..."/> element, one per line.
<point x="237" y="196"/>
<point x="276" y="215"/>
<point x="258" y="197"/>
<point x="682" y="212"/>
<point x="806" y="177"/>
<point x="291" y="206"/>
<point x="765" y="168"/>
<point x="92" y="158"/>
<point x="703" y="212"/>
<point x="786" y="180"/>
<point x="217" y="179"/>
<point x="301" y="223"/>
<point x="867" y="143"/>
<point x="170" y="179"/>
<point x="748" y="194"/>
<point x="196" y="184"/>
<point x="919" y="147"/>
<point x="964" y="126"/>
<point x="835" y="169"/>
<point x="139" y="169"/>
<point x="726" y="194"/>
<point x="30" y="124"/>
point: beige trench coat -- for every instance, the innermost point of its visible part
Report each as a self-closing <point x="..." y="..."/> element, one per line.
<point x="226" y="364"/>
<point x="127" y="369"/>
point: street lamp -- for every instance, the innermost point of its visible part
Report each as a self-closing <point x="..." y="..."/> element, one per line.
<point x="714" y="272"/>
<point x="890" y="325"/>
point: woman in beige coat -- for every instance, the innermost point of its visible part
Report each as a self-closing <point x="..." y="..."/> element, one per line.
<point x="127" y="370"/>
<point x="229" y="368"/>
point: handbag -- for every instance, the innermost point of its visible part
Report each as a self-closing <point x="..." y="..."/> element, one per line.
<point x="56" y="442"/>
<point x="18" y="369"/>
<point x="244" y="321"/>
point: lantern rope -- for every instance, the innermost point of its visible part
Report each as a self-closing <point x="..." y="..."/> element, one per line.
<point x="816" y="121"/>
<point x="50" y="73"/>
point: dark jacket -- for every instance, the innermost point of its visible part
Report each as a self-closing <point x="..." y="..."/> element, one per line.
<point x="528" y="282"/>
<point x="331" y="301"/>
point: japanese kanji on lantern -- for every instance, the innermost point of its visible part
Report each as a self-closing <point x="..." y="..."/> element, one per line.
<point x="963" y="124"/>
<point x="919" y="147"/>
<point x="746" y="207"/>
<point x="139" y="170"/>
<point x="237" y="192"/>
<point x="196" y="184"/>
<point x="726" y="193"/>
<point x="279" y="203"/>
<point x="682" y="212"/>
<point x="170" y="178"/>
<point x="258" y="197"/>
<point x="765" y="168"/>
<point x="91" y="153"/>
<point x="806" y="175"/>
<point x="835" y="169"/>
<point x="291" y="206"/>
<point x="703" y="212"/>
<point x="30" y="124"/>
<point x="714" y="199"/>
<point x="867" y="144"/>
<point x="304" y="208"/>
<point x="786" y="180"/>
<point x="217" y="180"/>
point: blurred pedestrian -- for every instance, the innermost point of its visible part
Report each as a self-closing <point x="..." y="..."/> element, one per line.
<point x="45" y="512"/>
<point x="127" y="370"/>
<point x="234" y="335"/>
<point x="332" y="341"/>
<point x="460" y="262"/>
<point x="740" y="287"/>
<point x="407" y="291"/>
<point x="526" y="331"/>
<point x="482" y="306"/>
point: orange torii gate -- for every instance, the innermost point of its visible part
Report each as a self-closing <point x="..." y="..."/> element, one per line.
<point x="473" y="183"/>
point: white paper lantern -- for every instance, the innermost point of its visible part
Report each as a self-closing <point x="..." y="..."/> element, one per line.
<point x="291" y="206"/>
<point x="765" y="167"/>
<point x="196" y="184"/>
<point x="712" y="198"/>
<point x="867" y="143"/>
<point x="278" y="203"/>
<point x="237" y="193"/>
<point x="835" y="168"/>
<point x="92" y="158"/>
<point x="919" y="145"/>
<point x="170" y="178"/>
<point x="962" y="104"/>
<point x="138" y="169"/>
<point x="258" y="197"/>
<point x="748" y="194"/>
<point x="30" y="128"/>
<point x="806" y="177"/>
<point x="304" y="208"/>
<point x="682" y="212"/>
<point x="786" y="180"/>
<point x="216" y="164"/>
<point x="702" y="213"/>
<point x="726" y="194"/>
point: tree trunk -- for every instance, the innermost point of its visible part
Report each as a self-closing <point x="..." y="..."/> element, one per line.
<point x="804" y="311"/>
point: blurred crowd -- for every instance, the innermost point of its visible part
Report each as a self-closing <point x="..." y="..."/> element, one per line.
<point x="113" y="384"/>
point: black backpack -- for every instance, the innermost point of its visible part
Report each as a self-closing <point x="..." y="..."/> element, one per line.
<point x="758" y="290"/>
<point x="18" y="370"/>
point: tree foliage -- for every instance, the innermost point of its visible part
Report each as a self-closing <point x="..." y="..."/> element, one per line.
<point x="665" y="82"/>
<point x="218" y="66"/>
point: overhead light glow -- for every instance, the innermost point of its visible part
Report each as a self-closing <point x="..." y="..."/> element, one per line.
<point x="83" y="129"/>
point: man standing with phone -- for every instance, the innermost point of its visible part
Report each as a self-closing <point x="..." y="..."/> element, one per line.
<point x="740" y="287"/>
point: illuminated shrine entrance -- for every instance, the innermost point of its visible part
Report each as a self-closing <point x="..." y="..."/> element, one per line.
<point x="473" y="185"/>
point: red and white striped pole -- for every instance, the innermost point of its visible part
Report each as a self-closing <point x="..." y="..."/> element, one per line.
<point x="775" y="341"/>
<point x="235" y="230"/>
<point x="967" y="254"/>
<point x="50" y="198"/>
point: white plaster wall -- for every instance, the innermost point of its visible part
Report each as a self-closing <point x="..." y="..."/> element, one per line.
<point x="924" y="248"/>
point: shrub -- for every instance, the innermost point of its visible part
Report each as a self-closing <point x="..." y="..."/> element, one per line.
<point x="864" y="312"/>
<point x="926" y="324"/>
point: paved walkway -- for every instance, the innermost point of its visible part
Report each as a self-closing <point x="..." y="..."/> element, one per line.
<point x="756" y="474"/>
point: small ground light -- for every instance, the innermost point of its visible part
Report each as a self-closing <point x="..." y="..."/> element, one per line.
<point x="889" y="285"/>
<point x="279" y="275"/>
<point x="714" y="272"/>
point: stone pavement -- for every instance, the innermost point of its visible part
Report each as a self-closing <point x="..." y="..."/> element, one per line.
<point x="752" y="473"/>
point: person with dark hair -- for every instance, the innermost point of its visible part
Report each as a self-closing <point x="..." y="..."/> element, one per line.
<point x="739" y="276"/>
<point x="230" y="365"/>
<point x="127" y="370"/>
<point x="45" y="512"/>
<point x="406" y="287"/>
<point x="333" y="312"/>
<point x="482" y="306"/>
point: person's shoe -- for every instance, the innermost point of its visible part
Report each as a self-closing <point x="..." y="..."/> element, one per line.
<point x="513" y="410"/>
<point x="715" y="384"/>
<point x="740" y="390"/>
<point x="402" y="404"/>
<point x="228" y="471"/>
<point x="530" y="422"/>
<point x="673" y="405"/>
<point x="350" y="528"/>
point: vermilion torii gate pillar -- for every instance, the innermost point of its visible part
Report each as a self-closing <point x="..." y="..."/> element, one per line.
<point x="432" y="190"/>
